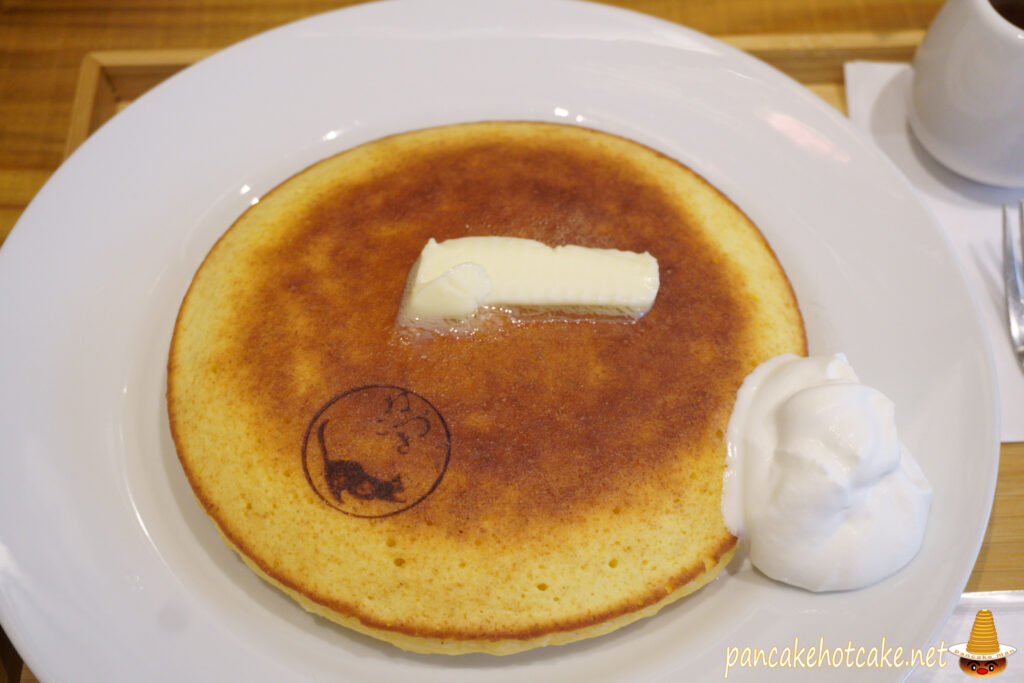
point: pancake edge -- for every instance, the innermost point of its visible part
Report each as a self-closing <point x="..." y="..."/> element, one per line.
<point x="493" y="646"/>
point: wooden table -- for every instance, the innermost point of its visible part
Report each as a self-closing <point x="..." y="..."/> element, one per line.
<point x="49" y="103"/>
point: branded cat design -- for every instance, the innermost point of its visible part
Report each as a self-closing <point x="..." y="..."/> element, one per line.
<point x="348" y="476"/>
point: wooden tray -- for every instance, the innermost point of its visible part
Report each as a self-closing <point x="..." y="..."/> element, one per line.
<point x="110" y="80"/>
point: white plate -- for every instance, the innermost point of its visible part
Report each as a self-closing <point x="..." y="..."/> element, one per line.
<point x="109" y="570"/>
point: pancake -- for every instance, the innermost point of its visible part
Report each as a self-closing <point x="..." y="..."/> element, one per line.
<point x="531" y="482"/>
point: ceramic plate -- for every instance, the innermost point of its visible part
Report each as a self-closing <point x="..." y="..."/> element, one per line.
<point x="108" y="568"/>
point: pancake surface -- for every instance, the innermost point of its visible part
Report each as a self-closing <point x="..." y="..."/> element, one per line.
<point x="527" y="484"/>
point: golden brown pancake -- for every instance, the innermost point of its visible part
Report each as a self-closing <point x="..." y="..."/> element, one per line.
<point x="531" y="483"/>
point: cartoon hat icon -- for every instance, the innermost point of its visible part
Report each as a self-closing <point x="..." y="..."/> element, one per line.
<point x="983" y="645"/>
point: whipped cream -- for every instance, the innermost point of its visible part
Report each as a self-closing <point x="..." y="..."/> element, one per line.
<point x="816" y="477"/>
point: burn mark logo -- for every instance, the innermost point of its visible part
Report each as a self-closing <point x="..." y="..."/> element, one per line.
<point x="376" y="450"/>
<point x="348" y="476"/>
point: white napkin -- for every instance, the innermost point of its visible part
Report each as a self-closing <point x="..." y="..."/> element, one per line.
<point x="1007" y="609"/>
<point x="970" y="214"/>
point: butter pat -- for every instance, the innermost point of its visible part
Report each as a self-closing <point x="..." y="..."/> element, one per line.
<point x="453" y="279"/>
